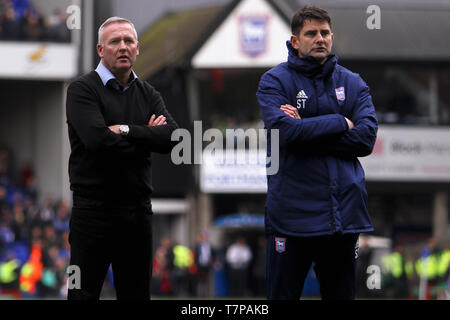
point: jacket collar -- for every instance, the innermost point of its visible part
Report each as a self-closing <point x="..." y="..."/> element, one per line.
<point x="309" y="66"/>
<point x="106" y="76"/>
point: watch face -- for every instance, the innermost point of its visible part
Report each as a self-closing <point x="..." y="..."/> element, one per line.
<point x="124" y="129"/>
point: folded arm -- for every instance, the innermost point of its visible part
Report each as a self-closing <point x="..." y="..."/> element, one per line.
<point x="157" y="133"/>
<point x="271" y="97"/>
<point x="356" y="142"/>
<point x="359" y="141"/>
<point x="85" y="117"/>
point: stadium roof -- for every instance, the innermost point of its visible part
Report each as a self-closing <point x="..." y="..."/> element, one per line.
<point x="172" y="40"/>
<point x="175" y="38"/>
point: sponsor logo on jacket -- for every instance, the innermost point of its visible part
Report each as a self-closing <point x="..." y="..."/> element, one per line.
<point x="301" y="99"/>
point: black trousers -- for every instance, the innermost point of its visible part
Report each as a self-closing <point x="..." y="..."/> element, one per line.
<point x="121" y="237"/>
<point x="289" y="260"/>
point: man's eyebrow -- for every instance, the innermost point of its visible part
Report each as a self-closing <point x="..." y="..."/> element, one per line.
<point x="119" y="37"/>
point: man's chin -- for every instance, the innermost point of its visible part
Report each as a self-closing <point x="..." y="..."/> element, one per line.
<point x="320" y="57"/>
<point x="123" y="67"/>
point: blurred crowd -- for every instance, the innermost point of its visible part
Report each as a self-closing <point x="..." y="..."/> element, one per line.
<point x="34" y="247"/>
<point x="34" y="256"/>
<point x="21" y="21"/>
<point x="236" y="270"/>
<point x="407" y="272"/>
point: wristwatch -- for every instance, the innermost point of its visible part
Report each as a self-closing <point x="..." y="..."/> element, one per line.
<point x="124" y="129"/>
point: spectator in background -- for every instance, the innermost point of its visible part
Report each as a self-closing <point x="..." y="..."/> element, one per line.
<point x="9" y="276"/>
<point x="25" y="173"/>
<point x="3" y="203"/>
<point x="20" y="6"/>
<point x="36" y="234"/>
<point x="204" y="259"/>
<point x="183" y="271"/>
<point x="64" y="251"/>
<point x="18" y="222"/>
<point x="166" y="248"/>
<point x="363" y="262"/>
<point x="7" y="235"/>
<point x="33" y="25"/>
<point x="50" y="236"/>
<point x="161" y="268"/>
<point x="259" y="268"/>
<point x="47" y="212"/>
<point x="57" y="30"/>
<point x="61" y="265"/>
<point x="28" y="182"/>
<point x="400" y="283"/>
<point x="30" y="210"/>
<point x="62" y="219"/>
<point x="11" y="25"/>
<point x="238" y="257"/>
<point x="49" y="286"/>
<point x="1" y="24"/>
<point x="160" y="273"/>
<point x="427" y="269"/>
<point x="4" y="166"/>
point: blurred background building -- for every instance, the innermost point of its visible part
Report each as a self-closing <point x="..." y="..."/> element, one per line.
<point x="206" y="58"/>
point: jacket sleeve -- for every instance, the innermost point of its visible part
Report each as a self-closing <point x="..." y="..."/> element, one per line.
<point x="157" y="138"/>
<point x="271" y="95"/>
<point x="360" y="140"/>
<point x="85" y="117"/>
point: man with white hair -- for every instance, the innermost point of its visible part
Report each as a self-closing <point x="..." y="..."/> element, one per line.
<point x="115" y="121"/>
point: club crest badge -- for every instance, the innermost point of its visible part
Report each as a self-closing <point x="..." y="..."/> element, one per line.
<point x="253" y="34"/>
<point x="280" y="245"/>
<point x="340" y="93"/>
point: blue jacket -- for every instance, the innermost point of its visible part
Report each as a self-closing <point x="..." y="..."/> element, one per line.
<point x="319" y="188"/>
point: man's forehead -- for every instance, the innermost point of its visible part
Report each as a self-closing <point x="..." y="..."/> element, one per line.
<point x="119" y="26"/>
<point x="313" y="24"/>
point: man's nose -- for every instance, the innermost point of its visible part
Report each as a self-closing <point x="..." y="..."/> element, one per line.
<point x="122" y="45"/>
<point x="319" y="38"/>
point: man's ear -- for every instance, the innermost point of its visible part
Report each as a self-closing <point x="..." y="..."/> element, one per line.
<point x="100" y="50"/>
<point x="294" y="42"/>
<point x="137" y="49"/>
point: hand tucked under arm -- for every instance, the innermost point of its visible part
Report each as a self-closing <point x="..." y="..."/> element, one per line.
<point x="157" y="122"/>
<point x="290" y="111"/>
<point x="156" y="135"/>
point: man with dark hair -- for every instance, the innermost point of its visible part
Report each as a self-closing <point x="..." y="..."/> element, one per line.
<point x="115" y="121"/>
<point x="308" y="13"/>
<point x="317" y="202"/>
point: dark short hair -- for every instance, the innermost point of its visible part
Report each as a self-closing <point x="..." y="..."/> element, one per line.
<point x="308" y="13"/>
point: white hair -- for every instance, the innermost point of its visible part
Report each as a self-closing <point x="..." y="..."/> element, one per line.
<point x="113" y="20"/>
